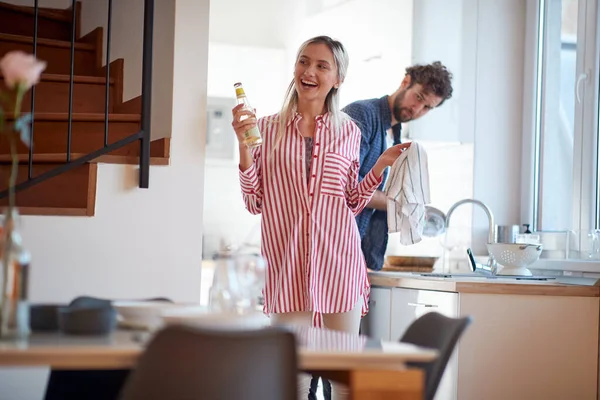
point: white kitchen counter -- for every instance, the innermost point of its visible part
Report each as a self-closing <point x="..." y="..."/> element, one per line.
<point x="495" y="285"/>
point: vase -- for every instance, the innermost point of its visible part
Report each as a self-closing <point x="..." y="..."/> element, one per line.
<point x="14" y="279"/>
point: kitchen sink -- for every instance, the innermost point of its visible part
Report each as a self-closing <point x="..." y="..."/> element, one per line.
<point x="452" y="275"/>
<point x="460" y="275"/>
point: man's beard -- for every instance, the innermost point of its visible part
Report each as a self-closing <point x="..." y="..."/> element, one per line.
<point x="398" y="109"/>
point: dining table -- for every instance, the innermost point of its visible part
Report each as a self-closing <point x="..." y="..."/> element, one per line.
<point x="371" y="368"/>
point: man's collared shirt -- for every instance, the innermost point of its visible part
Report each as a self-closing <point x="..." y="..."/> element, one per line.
<point x="374" y="118"/>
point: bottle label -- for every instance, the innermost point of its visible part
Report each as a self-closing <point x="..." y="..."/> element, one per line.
<point x="252" y="137"/>
<point x="252" y="133"/>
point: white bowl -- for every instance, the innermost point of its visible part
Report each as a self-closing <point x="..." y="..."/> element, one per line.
<point x="145" y="314"/>
<point x="514" y="257"/>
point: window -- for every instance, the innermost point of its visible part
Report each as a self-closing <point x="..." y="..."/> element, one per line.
<point x="565" y="175"/>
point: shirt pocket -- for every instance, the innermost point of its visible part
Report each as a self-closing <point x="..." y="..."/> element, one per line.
<point x="335" y="174"/>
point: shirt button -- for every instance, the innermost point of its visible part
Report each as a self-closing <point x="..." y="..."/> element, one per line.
<point x="314" y="176"/>
<point x="310" y="194"/>
<point x="315" y="156"/>
<point x="316" y="144"/>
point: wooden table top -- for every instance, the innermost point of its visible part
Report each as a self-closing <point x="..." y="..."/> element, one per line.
<point x="319" y="349"/>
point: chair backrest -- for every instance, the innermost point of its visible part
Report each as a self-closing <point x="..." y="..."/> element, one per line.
<point x="182" y="363"/>
<point x="438" y="332"/>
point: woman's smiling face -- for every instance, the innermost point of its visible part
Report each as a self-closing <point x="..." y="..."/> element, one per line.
<point x="315" y="73"/>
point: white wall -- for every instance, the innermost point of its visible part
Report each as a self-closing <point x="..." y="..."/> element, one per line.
<point x="252" y="23"/>
<point x="141" y="242"/>
<point x="262" y="70"/>
<point x="378" y="41"/>
<point x="263" y="73"/>
<point x="499" y="111"/>
<point x="453" y="20"/>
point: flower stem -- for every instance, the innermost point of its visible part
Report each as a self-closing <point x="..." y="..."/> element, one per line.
<point x="18" y="102"/>
<point x="13" y="152"/>
<point x="13" y="174"/>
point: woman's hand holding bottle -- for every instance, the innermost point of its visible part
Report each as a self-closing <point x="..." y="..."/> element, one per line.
<point x="241" y="124"/>
<point x="243" y="120"/>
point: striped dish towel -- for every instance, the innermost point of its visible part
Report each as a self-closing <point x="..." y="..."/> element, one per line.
<point x="407" y="191"/>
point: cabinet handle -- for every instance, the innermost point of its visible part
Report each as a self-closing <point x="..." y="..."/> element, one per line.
<point x="422" y="305"/>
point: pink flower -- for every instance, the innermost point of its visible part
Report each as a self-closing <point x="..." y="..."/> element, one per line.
<point x="21" y="70"/>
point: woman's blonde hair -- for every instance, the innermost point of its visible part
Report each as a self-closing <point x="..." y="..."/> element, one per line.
<point x="332" y="102"/>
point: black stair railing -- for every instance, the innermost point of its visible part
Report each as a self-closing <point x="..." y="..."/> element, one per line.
<point x="143" y="135"/>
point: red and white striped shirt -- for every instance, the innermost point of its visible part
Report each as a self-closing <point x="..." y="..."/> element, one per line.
<point x="310" y="239"/>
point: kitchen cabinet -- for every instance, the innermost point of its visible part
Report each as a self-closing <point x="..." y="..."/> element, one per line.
<point x="527" y="342"/>
<point x="409" y="304"/>
<point x="377" y="322"/>
<point x="400" y="307"/>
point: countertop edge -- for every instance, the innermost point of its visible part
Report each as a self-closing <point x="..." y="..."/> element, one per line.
<point x="449" y="285"/>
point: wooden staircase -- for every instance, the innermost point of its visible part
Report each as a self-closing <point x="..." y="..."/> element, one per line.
<point x="72" y="192"/>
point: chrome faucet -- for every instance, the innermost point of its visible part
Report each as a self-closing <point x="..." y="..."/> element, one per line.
<point x="491" y="235"/>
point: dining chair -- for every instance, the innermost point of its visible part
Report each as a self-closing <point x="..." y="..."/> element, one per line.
<point x="436" y="331"/>
<point x="189" y="363"/>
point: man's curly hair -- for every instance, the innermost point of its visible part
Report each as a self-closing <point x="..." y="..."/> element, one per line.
<point x="434" y="78"/>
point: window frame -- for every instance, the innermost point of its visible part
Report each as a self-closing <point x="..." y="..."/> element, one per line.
<point x="586" y="174"/>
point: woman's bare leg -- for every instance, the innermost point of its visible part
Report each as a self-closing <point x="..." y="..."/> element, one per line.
<point x="348" y="322"/>
<point x="300" y="318"/>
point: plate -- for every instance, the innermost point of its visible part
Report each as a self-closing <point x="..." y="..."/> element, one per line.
<point x="435" y="222"/>
<point x="144" y="314"/>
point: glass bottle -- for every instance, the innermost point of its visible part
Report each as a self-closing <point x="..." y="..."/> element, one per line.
<point x="14" y="280"/>
<point x="224" y="292"/>
<point x="252" y="137"/>
<point x="250" y="270"/>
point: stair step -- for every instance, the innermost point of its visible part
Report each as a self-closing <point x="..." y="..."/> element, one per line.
<point x="52" y="94"/>
<point x="92" y="80"/>
<point x="87" y="134"/>
<point x="83" y="117"/>
<point x="53" y="43"/>
<point x="57" y="53"/>
<point x="70" y="193"/>
<point x="60" y="15"/>
<point x="52" y="23"/>
<point x="159" y="155"/>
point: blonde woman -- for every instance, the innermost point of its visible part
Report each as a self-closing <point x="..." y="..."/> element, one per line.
<point x="304" y="182"/>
